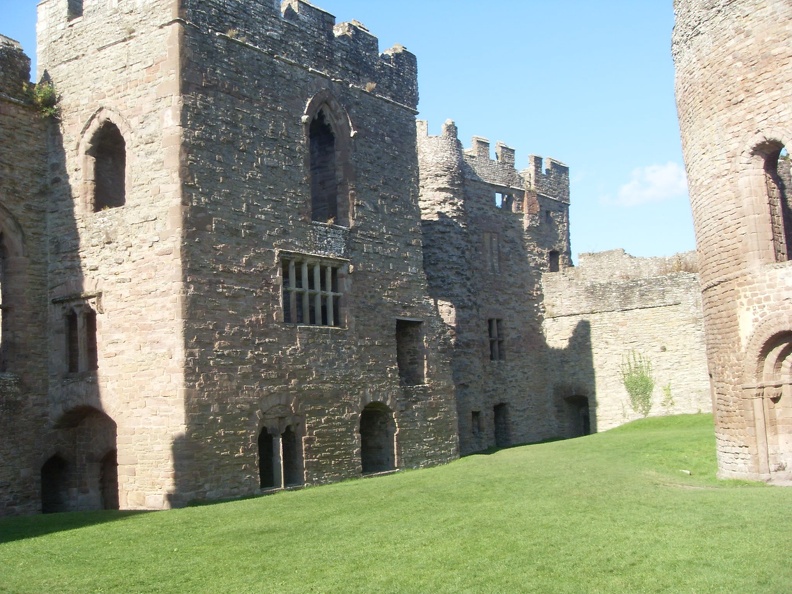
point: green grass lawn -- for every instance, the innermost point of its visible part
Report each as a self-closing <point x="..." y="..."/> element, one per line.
<point x="606" y="513"/>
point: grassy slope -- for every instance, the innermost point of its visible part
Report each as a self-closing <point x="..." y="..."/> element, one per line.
<point x="606" y="513"/>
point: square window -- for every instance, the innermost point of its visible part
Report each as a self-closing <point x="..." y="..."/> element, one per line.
<point x="311" y="294"/>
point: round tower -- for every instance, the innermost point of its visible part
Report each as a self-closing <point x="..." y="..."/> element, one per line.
<point x="733" y="79"/>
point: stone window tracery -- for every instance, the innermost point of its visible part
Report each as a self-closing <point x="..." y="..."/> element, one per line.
<point x="497" y="351"/>
<point x="80" y="330"/>
<point x="312" y="290"/>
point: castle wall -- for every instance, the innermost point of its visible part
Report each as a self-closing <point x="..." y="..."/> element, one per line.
<point x="23" y="257"/>
<point x="117" y="65"/>
<point x="485" y="246"/>
<point x="732" y="85"/>
<point x="249" y="97"/>
<point x="647" y="306"/>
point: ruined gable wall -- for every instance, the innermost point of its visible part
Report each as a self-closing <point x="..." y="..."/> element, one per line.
<point x="733" y="78"/>
<point x="648" y="305"/>
<point x="247" y="85"/>
<point x="23" y="379"/>
<point x="484" y="263"/>
<point x="119" y="61"/>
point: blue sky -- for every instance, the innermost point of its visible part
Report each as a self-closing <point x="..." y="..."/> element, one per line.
<point x="587" y="82"/>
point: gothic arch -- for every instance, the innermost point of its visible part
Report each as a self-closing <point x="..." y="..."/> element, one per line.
<point x="104" y="158"/>
<point x="329" y="132"/>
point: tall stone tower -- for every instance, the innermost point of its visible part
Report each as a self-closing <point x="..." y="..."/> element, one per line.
<point x="733" y="84"/>
<point x="490" y="232"/>
<point x="236" y="294"/>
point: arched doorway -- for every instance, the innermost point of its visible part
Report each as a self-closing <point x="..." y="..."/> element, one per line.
<point x="89" y="480"/>
<point x="377" y="432"/>
<point x="578" y="416"/>
<point x="54" y="485"/>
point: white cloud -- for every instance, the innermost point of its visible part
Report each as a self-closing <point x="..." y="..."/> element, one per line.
<point x="653" y="183"/>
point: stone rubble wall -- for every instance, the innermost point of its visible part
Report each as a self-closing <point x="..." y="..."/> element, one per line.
<point x="628" y="304"/>
<point x="246" y="180"/>
<point x="23" y="209"/>
<point x="483" y="262"/>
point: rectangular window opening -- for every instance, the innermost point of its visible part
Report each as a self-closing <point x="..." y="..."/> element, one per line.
<point x="503" y="200"/>
<point x="497" y="352"/>
<point x="74" y="9"/>
<point x="475" y="420"/>
<point x="310" y="291"/>
<point x="410" y="352"/>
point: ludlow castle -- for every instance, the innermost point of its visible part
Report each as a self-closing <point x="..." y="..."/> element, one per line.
<point x="233" y="261"/>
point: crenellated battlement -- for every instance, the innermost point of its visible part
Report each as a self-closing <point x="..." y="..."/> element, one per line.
<point x="309" y="36"/>
<point x="548" y="177"/>
<point x="294" y="31"/>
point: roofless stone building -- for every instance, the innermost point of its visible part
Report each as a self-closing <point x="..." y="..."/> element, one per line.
<point x="231" y="265"/>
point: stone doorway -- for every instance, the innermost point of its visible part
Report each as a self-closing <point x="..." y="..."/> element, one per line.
<point x="377" y="432"/>
<point x="502" y="432"/>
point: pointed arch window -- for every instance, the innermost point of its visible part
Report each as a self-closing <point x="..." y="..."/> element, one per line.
<point x="107" y="168"/>
<point x="328" y="133"/>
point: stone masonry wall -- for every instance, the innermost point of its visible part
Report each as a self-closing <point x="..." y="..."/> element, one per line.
<point x="249" y="95"/>
<point x="650" y="306"/>
<point x="118" y="64"/>
<point x="23" y="347"/>
<point x="485" y="245"/>
<point x="733" y="78"/>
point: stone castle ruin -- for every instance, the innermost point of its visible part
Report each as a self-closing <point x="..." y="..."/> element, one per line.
<point x="232" y="264"/>
<point x="733" y="78"/>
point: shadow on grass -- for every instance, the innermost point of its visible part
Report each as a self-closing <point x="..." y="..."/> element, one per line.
<point x="22" y="527"/>
<point x="495" y="449"/>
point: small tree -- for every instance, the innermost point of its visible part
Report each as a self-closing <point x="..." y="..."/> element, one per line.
<point x="636" y="372"/>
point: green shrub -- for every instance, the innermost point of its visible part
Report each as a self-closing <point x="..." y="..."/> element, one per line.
<point x="636" y="372"/>
<point x="45" y="98"/>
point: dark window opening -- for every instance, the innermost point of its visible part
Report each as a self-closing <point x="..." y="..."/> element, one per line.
<point x="553" y="260"/>
<point x="497" y="351"/>
<point x="410" y="352"/>
<point x="475" y="422"/>
<point x="311" y="292"/>
<point x="266" y="453"/>
<point x="73" y="341"/>
<point x="778" y="178"/>
<point x="324" y="178"/>
<point x="492" y="251"/>
<point x="109" y="168"/>
<point x="376" y="439"/>
<point x="91" y="353"/>
<point x="108" y="480"/>
<point x="502" y="434"/>
<point x="81" y="347"/>
<point x="74" y="9"/>
<point x="54" y="485"/>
